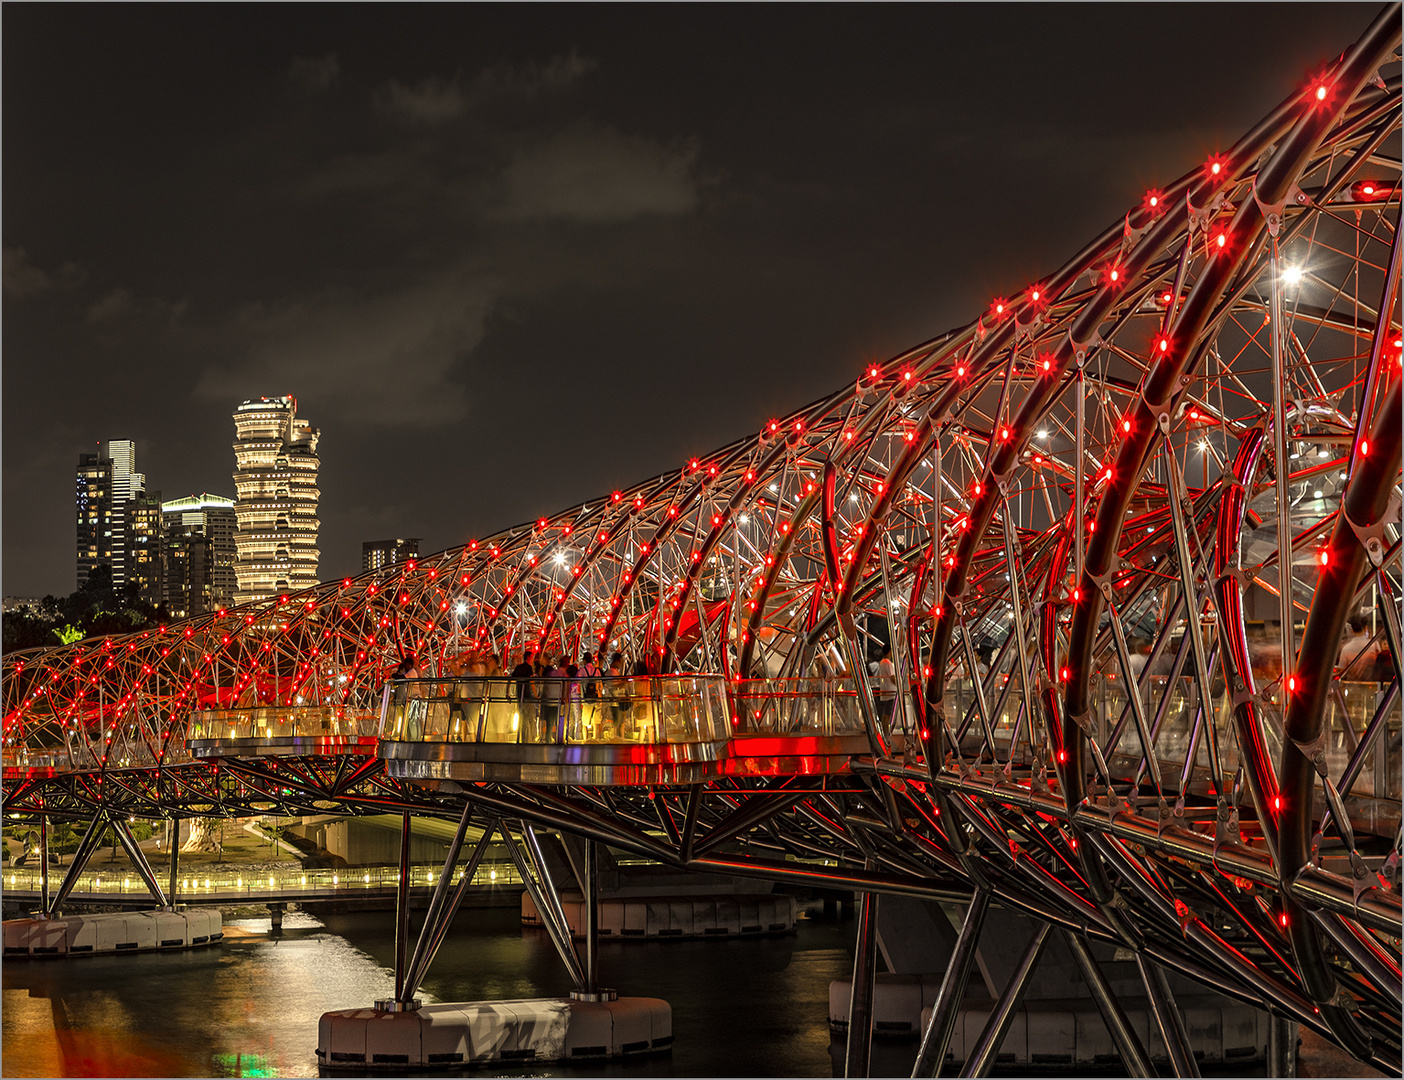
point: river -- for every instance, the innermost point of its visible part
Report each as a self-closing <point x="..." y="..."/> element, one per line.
<point x="250" y="1006"/>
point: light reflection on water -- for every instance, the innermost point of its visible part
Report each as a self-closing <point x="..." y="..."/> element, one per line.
<point x="250" y="1006"/>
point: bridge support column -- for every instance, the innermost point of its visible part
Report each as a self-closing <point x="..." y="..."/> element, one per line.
<point x="44" y="865"/>
<point x="858" y="1054"/>
<point x="1133" y="1055"/>
<point x="1282" y="1047"/>
<point x="948" y="998"/>
<point x="592" y="920"/>
<point x="1168" y="1018"/>
<point x="402" y="910"/>
<point x="275" y="916"/>
<point x="174" y="858"/>
<point x="982" y="1058"/>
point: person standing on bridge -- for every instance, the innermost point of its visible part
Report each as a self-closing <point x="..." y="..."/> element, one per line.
<point x="522" y="677"/>
<point x="886" y="686"/>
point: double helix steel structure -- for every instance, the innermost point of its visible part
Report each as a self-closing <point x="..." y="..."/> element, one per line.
<point x="1113" y="532"/>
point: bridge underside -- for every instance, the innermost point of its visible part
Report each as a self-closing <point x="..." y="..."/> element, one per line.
<point x="1131" y="538"/>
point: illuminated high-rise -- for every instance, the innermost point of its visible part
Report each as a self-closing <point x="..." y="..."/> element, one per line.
<point x="275" y="481"/>
<point x="199" y="532"/>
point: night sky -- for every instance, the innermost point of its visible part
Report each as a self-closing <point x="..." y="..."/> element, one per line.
<point x="509" y="258"/>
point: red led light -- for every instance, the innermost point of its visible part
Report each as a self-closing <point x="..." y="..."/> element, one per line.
<point x="1364" y="447"/>
<point x="1216" y="168"/>
<point x="1162" y="345"/>
<point x="907" y="375"/>
<point x="1325" y="557"/>
<point x="1047" y="364"/>
<point x="848" y="435"/>
<point x="1064" y="676"/>
<point x="1154" y="201"/>
<point x="873" y="371"/>
<point x="1005" y="434"/>
<point x="960" y="371"/>
<point x="1291" y="684"/>
<point x="999" y="307"/>
<point x="1126" y="426"/>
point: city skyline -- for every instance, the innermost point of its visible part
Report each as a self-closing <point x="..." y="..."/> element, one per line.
<point x="481" y="257"/>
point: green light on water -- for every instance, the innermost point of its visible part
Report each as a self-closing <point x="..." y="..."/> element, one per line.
<point x="243" y="1065"/>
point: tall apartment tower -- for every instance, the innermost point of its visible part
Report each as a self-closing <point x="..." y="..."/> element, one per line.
<point x="378" y="554"/>
<point x="127" y="485"/>
<point x="199" y="563"/>
<point x="94" y="497"/>
<point x="108" y="488"/>
<point x="275" y="481"/>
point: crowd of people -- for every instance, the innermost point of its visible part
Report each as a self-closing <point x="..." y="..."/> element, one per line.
<point x="539" y="700"/>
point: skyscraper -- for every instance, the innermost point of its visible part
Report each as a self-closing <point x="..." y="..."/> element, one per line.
<point x="94" y="497"/>
<point x="107" y="485"/>
<point x="199" y="559"/>
<point x="127" y="484"/>
<point x="275" y="480"/>
<point x="378" y="553"/>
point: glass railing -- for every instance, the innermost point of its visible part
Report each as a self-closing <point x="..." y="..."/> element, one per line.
<point x="556" y="712"/>
<point x="818" y="706"/>
<point x="280" y="722"/>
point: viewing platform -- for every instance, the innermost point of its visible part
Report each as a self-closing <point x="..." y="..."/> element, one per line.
<point x="629" y="731"/>
<point x="281" y="731"/>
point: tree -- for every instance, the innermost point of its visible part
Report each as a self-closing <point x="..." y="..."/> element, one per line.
<point x="96" y="608"/>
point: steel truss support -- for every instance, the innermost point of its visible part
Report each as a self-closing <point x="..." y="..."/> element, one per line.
<point x="81" y="855"/>
<point x="946" y="1008"/>
<point x="1134" y="1058"/>
<point x="543" y="895"/>
<point x="1168" y="1018"/>
<point x="858" y="1055"/>
<point x="982" y="1057"/>
<point x="405" y="987"/>
<point x="437" y="924"/>
<point x="138" y="857"/>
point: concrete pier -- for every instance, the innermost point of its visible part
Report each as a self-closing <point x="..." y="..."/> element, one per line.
<point x="128" y="931"/>
<point x="485" y="1032"/>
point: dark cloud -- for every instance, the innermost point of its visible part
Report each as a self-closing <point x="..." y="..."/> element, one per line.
<point x="509" y="256"/>
<point x="590" y="174"/>
<point x="314" y="73"/>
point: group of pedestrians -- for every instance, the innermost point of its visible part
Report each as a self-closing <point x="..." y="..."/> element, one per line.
<point x="564" y="699"/>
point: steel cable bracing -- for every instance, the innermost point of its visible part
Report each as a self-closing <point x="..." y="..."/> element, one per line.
<point x="1078" y="522"/>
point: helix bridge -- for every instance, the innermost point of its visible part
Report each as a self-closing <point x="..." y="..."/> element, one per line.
<point x="1114" y="530"/>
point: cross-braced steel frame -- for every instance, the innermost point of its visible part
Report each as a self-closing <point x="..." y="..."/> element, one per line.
<point x="1112" y="530"/>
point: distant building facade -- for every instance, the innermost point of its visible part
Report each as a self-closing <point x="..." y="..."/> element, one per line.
<point x="376" y="554"/>
<point x="275" y="480"/>
<point x="94" y="497"/>
<point x="117" y="523"/>
<point x="199" y="562"/>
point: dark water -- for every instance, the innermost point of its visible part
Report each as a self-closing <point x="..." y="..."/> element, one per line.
<point x="250" y="1007"/>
